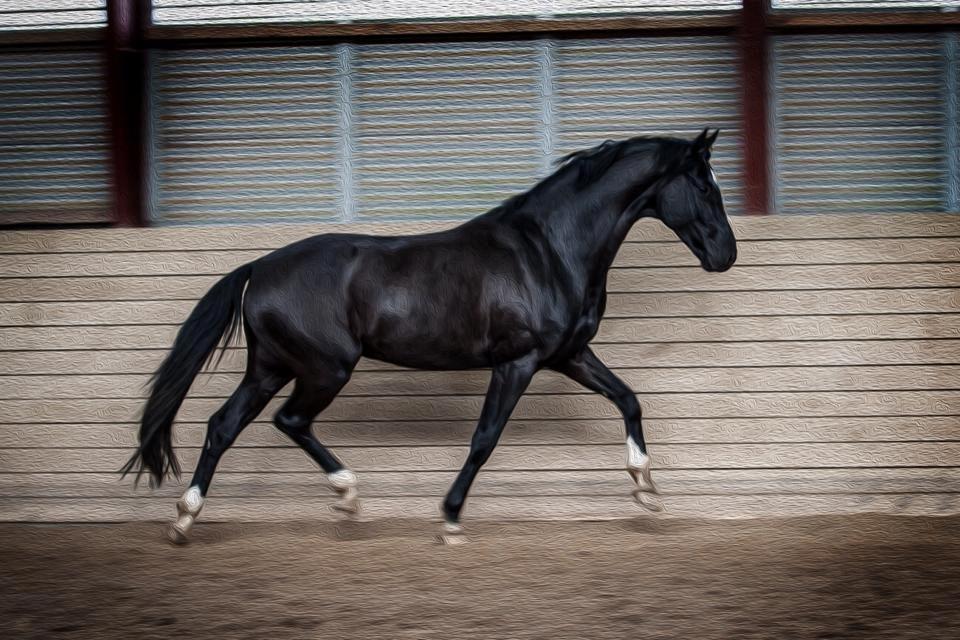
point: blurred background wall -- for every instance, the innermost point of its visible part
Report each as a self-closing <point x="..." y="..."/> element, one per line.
<point x="198" y="111"/>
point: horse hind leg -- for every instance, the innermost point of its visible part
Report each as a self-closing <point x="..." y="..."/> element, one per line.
<point x="311" y="396"/>
<point x="248" y="400"/>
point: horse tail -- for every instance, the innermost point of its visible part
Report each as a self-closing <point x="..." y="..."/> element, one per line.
<point x="216" y="317"/>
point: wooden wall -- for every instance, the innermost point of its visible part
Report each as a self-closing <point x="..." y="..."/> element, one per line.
<point x="821" y="374"/>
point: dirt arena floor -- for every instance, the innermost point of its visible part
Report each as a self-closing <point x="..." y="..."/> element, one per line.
<point x="826" y="577"/>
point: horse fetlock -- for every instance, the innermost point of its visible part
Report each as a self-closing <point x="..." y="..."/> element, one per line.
<point x="342" y="479"/>
<point x="188" y="508"/>
<point x="648" y="500"/>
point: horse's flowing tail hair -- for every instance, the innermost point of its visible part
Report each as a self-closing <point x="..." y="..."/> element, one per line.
<point x="217" y="316"/>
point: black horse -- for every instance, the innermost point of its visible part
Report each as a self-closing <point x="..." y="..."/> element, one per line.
<point x="517" y="289"/>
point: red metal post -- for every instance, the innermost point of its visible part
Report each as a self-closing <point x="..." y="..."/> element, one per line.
<point x="126" y="89"/>
<point x="754" y="45"/>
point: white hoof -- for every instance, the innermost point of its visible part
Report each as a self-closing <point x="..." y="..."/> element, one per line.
<point x="348" y="502"/>
<point x="452" y="533"/>
<point x="649" y="501"/>
<point x="643" y="480"/>
<point x="177" y="534"/>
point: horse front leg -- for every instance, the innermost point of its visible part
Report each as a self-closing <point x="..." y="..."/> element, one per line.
<point x="507" y="384"/>
<point x="589" y="371"/>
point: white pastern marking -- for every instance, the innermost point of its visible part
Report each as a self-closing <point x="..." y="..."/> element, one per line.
<point x="193" y="499"/>
<point x="636" y="458"/>
<point x="343" y="479"/>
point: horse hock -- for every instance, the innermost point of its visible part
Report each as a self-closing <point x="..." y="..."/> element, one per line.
<point x="188" y="508"/>
<point x="344" y="482"/>
<point x="638" y="465"/>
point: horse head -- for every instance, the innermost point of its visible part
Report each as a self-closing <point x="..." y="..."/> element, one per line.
<point x="688" y="200"/>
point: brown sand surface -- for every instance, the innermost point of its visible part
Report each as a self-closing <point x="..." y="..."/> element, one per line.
<point x="864" y="576"/>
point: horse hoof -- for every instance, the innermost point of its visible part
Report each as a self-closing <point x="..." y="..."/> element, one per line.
<point x="452" y="534"/>
<point x="349" y="507"/>
<point x="644" y="482"/>
<point x="176" y="535"/>
<point x="348" y="502"/>
<point x="649" y="501"/>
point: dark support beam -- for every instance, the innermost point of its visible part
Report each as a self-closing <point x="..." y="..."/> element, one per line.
<point x="446" y="29"/>
<point x="126" y="89"/>
<point x="754" y="44"/>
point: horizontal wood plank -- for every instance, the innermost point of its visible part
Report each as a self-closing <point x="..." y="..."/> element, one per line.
<point x="561" y="407"/>
<point x="400" y="383"/>
<point x="632" y="254"/>
<point x="619" y="305"/>
<point x="270" y="236"/>
<point x="480" y="508"/>
<point x="926" y="325"/>
<point x="622" y="280"/>
<point x="373" y="484"/>
<point x="735" y="354"/>
<point x="519" y="431"/>
<point x="519" y="458"/>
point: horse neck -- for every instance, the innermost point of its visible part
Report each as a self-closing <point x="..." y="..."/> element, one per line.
<point x="590" y="229"/>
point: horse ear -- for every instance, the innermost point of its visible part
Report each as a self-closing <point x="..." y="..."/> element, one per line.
<point x="699" y="143"/>
<point x="708" y="143"/>
<point x="711" y="139"/>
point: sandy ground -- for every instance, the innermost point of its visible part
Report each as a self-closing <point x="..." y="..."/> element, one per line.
<point x="830" y="577"/>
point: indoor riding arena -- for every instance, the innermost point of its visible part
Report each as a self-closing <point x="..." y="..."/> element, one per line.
<point x="801" y="410"/>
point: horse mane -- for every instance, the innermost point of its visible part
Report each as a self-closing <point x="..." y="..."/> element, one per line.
<point x="590" y="164"/>
<point x="593" y="162"/>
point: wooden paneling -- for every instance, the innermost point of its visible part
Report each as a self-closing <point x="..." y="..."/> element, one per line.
<point x="684" y="354"/>
<point x="566" y="407"/>
<point x="663" y="253"/>
<point x="715" y="482"/>
<point x="621" y="280"/>
<point x="821" y="374"/>
<point x="522" y="432"/>
<point x="408" y="383"/>
<point x="264" y="237"/>
<point x="500" y="507"/>
<point x="514" y="457"/>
